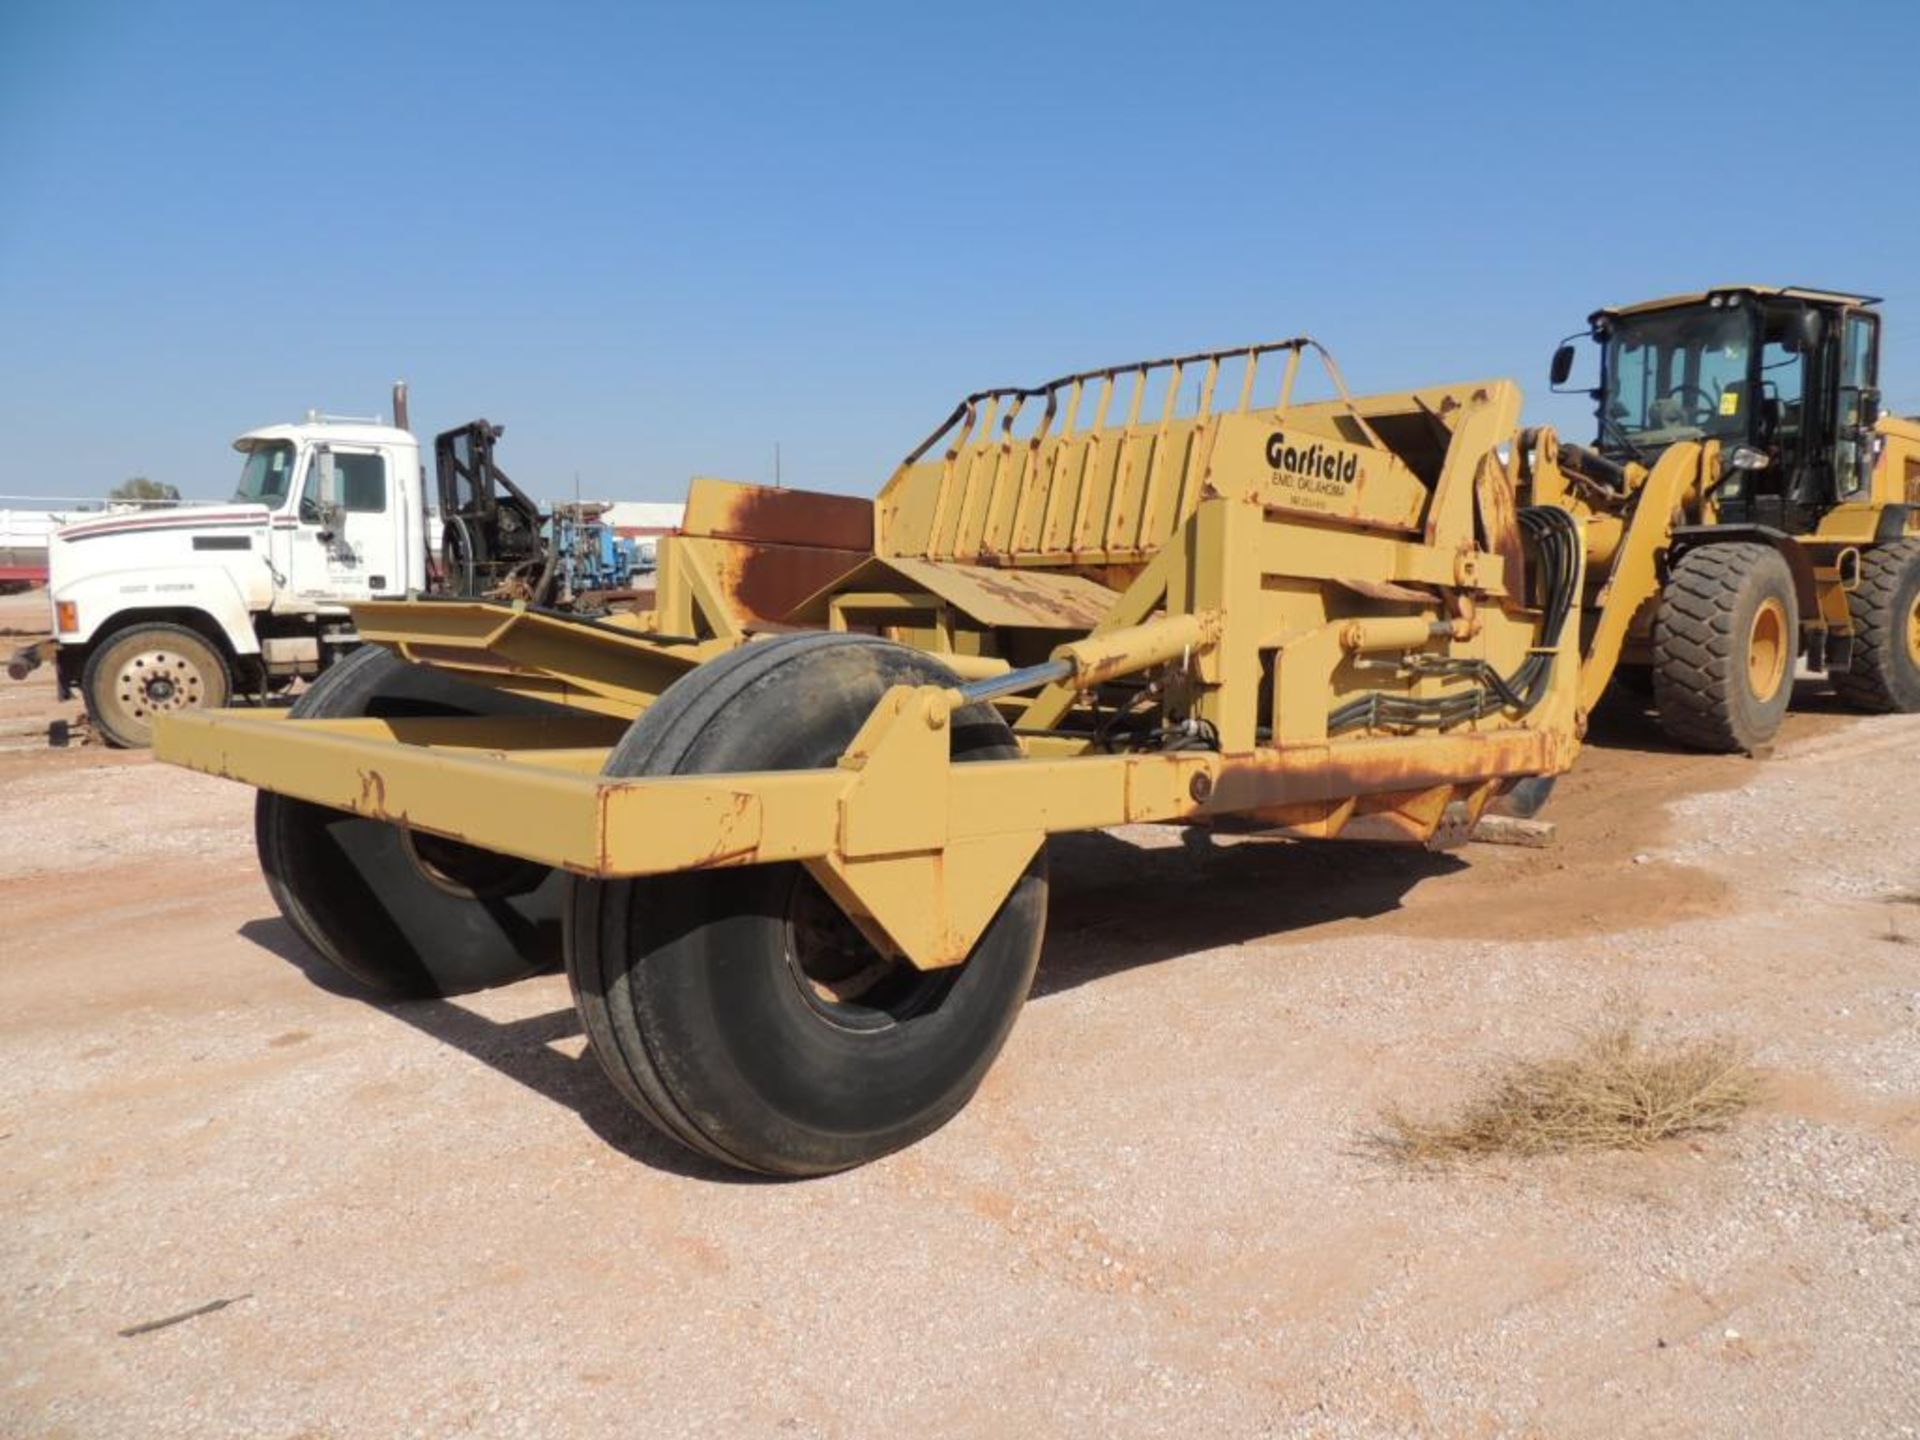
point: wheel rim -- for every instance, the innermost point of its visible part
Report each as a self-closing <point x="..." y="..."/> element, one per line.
<point x="1767" y="649"/>
<point x="1913" y="631"/>
<point x="841" y="976"/>
<point x="157" y="682"/>
<point x="467" y="872"/>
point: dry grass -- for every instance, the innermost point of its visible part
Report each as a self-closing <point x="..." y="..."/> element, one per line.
<point x="1613" y="1090"/>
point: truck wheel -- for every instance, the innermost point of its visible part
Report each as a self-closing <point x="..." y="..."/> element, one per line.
<point x="1725" y="639"/>
<point x="149" y="670"/>
<point x="408" y="915"/>
<point x="1885" y="673"/>
<point x="739" y="1010"/>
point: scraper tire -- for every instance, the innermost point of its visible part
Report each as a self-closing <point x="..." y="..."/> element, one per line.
<point x="408" y="916"/>
<point x="737" y="1009"/>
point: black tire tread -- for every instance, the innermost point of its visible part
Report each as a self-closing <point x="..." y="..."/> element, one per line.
<point x="91" y="671"/>
<point x="353" y="686"/>
<point x="270" y="818"/>
<point x="1697" y="656"/>
<point x="1876" y="681"/>
<point x="597" y="915"/>
<point x="676" y="718"/>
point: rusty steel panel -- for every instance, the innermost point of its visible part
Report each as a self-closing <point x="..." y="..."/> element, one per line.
<point x="766" y="583"/>
<point x="987" y="595"/>
<point x="762" y="551"/>
<point x="728" y="510"/>
<point x="1036" y="599"/>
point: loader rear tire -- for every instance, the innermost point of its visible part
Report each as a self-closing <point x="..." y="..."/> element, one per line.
<point x="737" y="1009"/>
<point x="1725" y="639"/>
<point x="1885" y="674"/>
<point x="410" y="916"/>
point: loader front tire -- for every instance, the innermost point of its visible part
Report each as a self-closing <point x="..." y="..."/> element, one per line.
<point x="408" y="915"/>
<point x="737" y="1009"/>
<point x="1885" y="674"/>
<point x="1725" y="638"/>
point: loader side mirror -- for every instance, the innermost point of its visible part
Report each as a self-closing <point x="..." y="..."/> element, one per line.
<point x="1562" y="365"/>
<point x="1869" y="408"/>
<point x="1802" y="331"/>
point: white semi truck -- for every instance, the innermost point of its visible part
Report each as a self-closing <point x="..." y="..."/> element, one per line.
<point x="161" y="610"/>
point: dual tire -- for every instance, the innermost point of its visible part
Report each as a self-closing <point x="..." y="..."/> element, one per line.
<point x="737" y="1010"/>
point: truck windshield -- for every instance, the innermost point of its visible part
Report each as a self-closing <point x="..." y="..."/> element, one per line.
<point x="266" y="475"/>
<point x="1676" y="375"/>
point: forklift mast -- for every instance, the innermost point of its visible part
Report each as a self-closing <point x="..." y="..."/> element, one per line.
<point x="490" y="527"/>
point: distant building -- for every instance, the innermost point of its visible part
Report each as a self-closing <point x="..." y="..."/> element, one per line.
<point x="645" y="521"/>
<point x="645" y="517"/>
<point x="24" y="530"/>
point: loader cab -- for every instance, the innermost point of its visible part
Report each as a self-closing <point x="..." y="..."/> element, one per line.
<point x="1787" y="380"/>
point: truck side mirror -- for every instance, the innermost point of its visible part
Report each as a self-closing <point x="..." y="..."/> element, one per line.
<point x="329" y="486"/>
<point x="325" y="492"/>
<point x="1562" y="365"/>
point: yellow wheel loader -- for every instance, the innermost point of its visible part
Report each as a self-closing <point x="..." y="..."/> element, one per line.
<point x="787" y="830"/>
<point x="1752" y="414"/>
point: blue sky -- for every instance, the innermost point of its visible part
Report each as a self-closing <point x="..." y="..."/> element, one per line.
<point x="656" y="240"/>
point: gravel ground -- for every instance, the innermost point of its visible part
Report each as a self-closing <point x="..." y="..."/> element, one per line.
<point x="433" y="1219"/>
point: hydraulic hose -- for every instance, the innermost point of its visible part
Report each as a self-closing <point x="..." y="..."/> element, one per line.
<point x="1554" y="540"/>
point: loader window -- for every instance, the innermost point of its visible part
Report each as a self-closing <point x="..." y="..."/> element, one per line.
<point x="265" y="476"/>
<point x="1783" y="373"/>
<point x="1853" y="468"/>
<point x="1856" y="368"/>
<point x="1677" y="375"/>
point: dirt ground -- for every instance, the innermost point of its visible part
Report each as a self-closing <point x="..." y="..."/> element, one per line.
<point x="434" y="1219"/>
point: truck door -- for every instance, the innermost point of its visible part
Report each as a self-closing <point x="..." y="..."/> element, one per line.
<point x="345" y="548"/>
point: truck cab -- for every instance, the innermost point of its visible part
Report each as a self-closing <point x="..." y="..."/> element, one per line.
<point x="346" y="519"/>
<point x="160" y="610"/>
